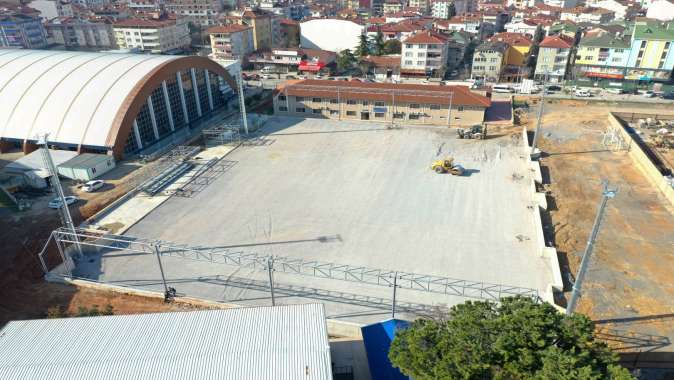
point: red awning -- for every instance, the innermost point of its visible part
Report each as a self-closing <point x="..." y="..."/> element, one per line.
<point x="311" y="66"/>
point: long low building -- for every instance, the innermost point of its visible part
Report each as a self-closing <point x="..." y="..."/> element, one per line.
<point x="384" y="102"/>
<point x="105" y="102"/>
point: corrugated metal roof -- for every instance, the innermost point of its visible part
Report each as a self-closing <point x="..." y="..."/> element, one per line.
<point x="282" y="342"/>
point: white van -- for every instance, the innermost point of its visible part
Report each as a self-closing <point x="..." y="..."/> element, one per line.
<point x="502" y="88"/>
<point x="582" y="93"/>
<point x="267" y="70"/>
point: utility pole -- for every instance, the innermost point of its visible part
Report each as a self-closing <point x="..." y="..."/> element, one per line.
<point x="587" y="255"/>
<point x="270" y="270"/>
<point x="540" y="114"/>
<point x="56" y="185"/>
<point x="169" y="293"/>
<point x="242" y="99"/>
<point x="395" y="291"/>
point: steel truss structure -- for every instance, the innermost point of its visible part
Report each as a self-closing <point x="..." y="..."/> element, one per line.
<point x="221" y="135"/>
<point x="100" y="240"/>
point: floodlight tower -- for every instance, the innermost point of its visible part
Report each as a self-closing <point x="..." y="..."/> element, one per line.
<point x="242" y="99"/>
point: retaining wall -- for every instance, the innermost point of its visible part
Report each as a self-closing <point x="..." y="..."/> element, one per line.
<point x="540" y="204"/>
<point x="641" y="159"/>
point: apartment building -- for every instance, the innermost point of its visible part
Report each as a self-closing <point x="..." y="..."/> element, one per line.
<point x="392" y="6"/>
<point x="158" y="35"/>
<point x="230" y="42"/>
<point x="587" y="15"/>
<point x="489" y="59"/>
<point x="651" y="56"/>
<point x="202" y="12"/>
<point x="81" y="33"/>
<point x="554" y="53"/>
<point x="424" y="54"/>
<point x="442" y="9"/>
<point x="602" y="55"/>
<point x="383" y="102"/>
<point x="515" y="60"/>
<point x="22" y="31"/>
<point x="422" y="5"/>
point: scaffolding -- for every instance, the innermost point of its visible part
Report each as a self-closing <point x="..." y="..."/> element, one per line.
<point x="222" y="135"/>
<point x="100" y="242"/>
<point x="338" y="92"/>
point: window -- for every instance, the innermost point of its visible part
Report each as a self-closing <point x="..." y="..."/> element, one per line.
<point x="409" y="46"/>
<point x="588" y="57"/>
<point x="379" y="114"/>
<point x="93" y="170"/>
<point x="283" y="108"/>
<point x="316" y="100"/>
<point x="299" y="109"/>
<point x="420" y="63"/>
<point x="616" y="59"/>
<point x="408" y="63"/>
<point x="414" y="116"/>
<point x="590" y="49"/>
<point x="350" y="113"/>
<point x="366" y="103"/>
<point x="334" y="112"/>
<point x="334" y="101"/>
<point x="299" y="99"/>
<point x="641" y="54"/>
<point x="435" y="106"/>
<point x="619" y="50"/>
<point x="421" y="54"/>
<point x="422" y="46"/>
<point x="316" y="111"/>
<point x="409" y="54"/>
<point x="351" y="102"/>
<point x="643" y="44"/>
<point x="379" y="104"/>
<point x="493" y="60"/>
<point x="282" y="97"/>
<point x="399" y="115"/>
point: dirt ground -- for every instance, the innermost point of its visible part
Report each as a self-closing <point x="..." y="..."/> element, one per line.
<point x="628" y="285"/>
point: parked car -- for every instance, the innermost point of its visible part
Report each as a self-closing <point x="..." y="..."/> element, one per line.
<point x="303" y="77"/>
<point x="318" y="76"/>
<point x="254" y="77"/>
<point x="554" y="87"/>
<point x="92" y="186"/>
<point x="582" y="93"/>
<point x="57" y="204"/>
<point x="453" y="73"/>
<point x="291" y="77"/>
<point x="266" y="76"/>
<point x="649" y="94"/>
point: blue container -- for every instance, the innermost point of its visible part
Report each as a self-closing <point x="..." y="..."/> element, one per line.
<point x="377" y="338"/>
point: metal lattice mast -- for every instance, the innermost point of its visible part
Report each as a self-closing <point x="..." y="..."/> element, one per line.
<point x="242" y="101"/>
<point x="56" y="185"/>
<point x="587" y="255"/>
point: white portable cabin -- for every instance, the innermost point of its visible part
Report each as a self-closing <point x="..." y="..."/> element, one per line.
<point x="86" y="166"/>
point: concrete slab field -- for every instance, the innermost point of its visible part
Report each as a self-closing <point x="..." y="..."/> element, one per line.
<point x="352" y="193"/>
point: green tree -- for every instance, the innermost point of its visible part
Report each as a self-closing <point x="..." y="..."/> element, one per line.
<point x="345" y="60"/>
<point x="392" y="47"/>
<point x="517" y="339"/>
<point x="363" y="48"/>
<point x="378" y="43"/>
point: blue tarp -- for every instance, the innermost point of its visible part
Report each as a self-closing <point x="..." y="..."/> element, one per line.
<point x="377" y="338"/>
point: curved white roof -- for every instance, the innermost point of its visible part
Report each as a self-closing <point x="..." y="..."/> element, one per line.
<point x="73" y="96"/>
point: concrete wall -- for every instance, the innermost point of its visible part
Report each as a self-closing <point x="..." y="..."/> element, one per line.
<point x="540" y="205"/>
<point x="460" y="115"/>
<point x="642" y="161"/>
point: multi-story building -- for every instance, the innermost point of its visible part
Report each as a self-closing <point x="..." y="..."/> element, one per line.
<point x="230" y="42"/>
<point x="289" y="35"/>
<point x="521" y="4"/>
<point x="602" y="55"/>
<point x="522" y="27"/>
<point x="488" y="60"/>
<point x="554" y="53"/>
<point x="383" y="102"/>
<point x="469" y="23"/>
<point x="158" y="35"/>
<point x="424" y="54"/>
<point x="651" y="56"/>
<point x="145" y="5"/>
<point x="587" y="15"/>
<point x="294" y="59"/>
<point x="622" y="9"/>
<point x="22" y="31"/>
<point x="202" y="12"/>
<point x="263" y="27"/>
<point x="515" y="66"/>
<point x="561" y="3"/>
<point x="442" y="9"/>
<point x="392" y="6"/>
<point x="421" y="5"/>
<point x="81" y="33"/>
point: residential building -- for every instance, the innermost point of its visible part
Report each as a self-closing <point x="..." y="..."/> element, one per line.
<point x="424" y="54"/>
<point x="22" y="31"/>
<point x="567" y="28"/>
<point x="526" y="27"/>
<point x="662" y="10"/>
<point x="515" y="66"/>
<point x="521" y="4"/>
<point x="457" y="46"/>
<point x="144" y="6"/>
<point x="383" y="102"/>
<point x="469" y="23"/>
<point x="622" y="9"/>
<point x="289" y="33"/>
<point x="155" y="35"/>
<point x="263" y="27"/>
<point x="294" y="59"/>
<point x="421" y="5"/>
<point x="395" y="31"/>
<point x="602" y="56"/>
<point x="202" y="12"/>
<point x="651" y="56"/>
<point x="230" y="42"/>
<point x="392" y="6"/>
<point x="50" y="9"/>
<point x="587" y="15"/>
<point x="81" y="33"/>
<point x="554" y="53"/>
<point x="246" y="342"/>
<point x="464" y="7"/>
<point x="442" y="9"/>
<point x="385" y="68"/>
<point x="488" y="60"/>
<point x="561" y="3"/>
